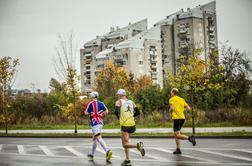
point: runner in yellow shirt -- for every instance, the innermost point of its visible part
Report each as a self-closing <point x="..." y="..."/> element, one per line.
<point x="125" y="111"/>
<point x="177" y="108"/>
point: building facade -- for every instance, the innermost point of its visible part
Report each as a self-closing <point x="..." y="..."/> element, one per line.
<point x="154" y="51"/>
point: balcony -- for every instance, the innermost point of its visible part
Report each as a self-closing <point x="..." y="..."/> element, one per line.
<point x="211" y="29"/>
<point x="211" y="38"/>
<point x="183" y="45"/>
<point x="211" y="34"/>
<point x="88" y="61"/>
<point x="153" y="67"/>
<point x="211" y="42"/>
<point x="88" y="55"/>
<point x="118" y="57"/>
<point x="120" y="62"/>
<point x="100" y="65"/>
<point x="88" y="72"/>
<point x="154" y="75"/>
<point x="182" y="30"/>
<point x="153" y="60"/>
<point x="212" y="46"/>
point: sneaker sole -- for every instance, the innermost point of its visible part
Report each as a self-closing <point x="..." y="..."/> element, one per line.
<point x="142" y="152"/>
<point x="177" y="153"/>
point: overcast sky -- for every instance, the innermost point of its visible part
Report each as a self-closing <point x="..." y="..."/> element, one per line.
<point x="29" y="28"/>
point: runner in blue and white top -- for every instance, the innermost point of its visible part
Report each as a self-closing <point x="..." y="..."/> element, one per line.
<point x="96" y="109"/>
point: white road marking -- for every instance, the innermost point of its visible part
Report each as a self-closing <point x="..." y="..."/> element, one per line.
<point x="21" y="149"/>
<point x="46" y="151"/>
<point x="147" y="155"/>
<point x="243" y="150"/>
<point x="184" y="155"/>
<point x="100" y="150"/>
<point x="225" y="155"/>
<point x="75" y="152"/>
<point x="78" y="155"/>
<point x="140" y="160"/>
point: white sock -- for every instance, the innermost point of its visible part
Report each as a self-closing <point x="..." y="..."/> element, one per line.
<point x="94" y="146"/>
<point x="103" y="144"/>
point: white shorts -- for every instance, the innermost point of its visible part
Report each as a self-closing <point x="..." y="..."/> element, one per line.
<point x="97" y="129"/>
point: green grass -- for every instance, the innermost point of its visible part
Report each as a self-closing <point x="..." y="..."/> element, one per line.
<point x="227" y="134"/>
<point x="109" y="126"/>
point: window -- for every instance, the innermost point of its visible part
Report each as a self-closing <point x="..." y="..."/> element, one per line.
<point x="140" y="62"/>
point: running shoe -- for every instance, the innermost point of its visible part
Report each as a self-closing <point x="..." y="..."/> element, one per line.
<point x="108" y="155"/>
<point x="177" y="151"/>
<point x="126" y="163"/>
<point x="90" y="157"/>
<point x="192" y="140"/>
<point x="141" y="148"/>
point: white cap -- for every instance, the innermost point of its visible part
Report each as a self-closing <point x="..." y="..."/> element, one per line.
<point x="121" y="92"/>
<point x="175" y="89"/>
<point x="94" y="94"/>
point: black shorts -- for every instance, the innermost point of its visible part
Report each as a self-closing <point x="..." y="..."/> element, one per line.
<point x="128" y="129"/>
<point x="178" y="124"/>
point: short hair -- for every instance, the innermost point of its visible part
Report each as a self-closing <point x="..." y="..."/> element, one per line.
<point x="175" y="91"/>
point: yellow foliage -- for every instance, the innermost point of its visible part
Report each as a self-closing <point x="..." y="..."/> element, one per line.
<point x="196" y="75"/>
<point x="142" y="83"/>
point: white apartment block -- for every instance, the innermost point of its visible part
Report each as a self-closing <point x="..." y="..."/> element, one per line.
<point x="153" y="51"/>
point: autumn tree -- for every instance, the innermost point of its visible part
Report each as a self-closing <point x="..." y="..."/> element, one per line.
<point x="110" y="79"/>
<point x="141" y="83"/>
<point x="66" y="69"/>
<point x="8" y="70"/>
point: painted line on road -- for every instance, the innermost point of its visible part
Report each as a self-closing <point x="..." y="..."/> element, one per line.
<point x="20" y="149"/>
<point x="87" y="145"/>
<point x="243" y="150"/>
<point x="149" y="156"/>
<point x="185" y="155"/>
<point x="140" y="160"/>
<point x="75" y="152"/>
<point x="225" y="155"/>
<point x="46" y="151"/>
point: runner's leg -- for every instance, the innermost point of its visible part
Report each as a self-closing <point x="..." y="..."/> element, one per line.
<point x="102" y="143"/>
<point x="94" y="145"/>
<point x="178" y="135"/>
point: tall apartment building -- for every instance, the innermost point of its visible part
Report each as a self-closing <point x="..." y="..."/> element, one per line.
<point x="153" y="51"/>
<point x="184" y="31"/>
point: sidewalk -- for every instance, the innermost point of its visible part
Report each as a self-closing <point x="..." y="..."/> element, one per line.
<point x="141" y="130"/>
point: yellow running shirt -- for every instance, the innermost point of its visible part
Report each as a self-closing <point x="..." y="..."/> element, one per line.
<point x="179" y="105"/>
<point x="127" y="113"/>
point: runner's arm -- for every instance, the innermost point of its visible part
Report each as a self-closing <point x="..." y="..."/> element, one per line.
<point x="170" y="110"/>
<point x="188" y="108"/>
<point x="117" y="108"/>
<point x="86" y="112"/>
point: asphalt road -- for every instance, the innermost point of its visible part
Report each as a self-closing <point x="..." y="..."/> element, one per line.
<point x="73" y="151"/>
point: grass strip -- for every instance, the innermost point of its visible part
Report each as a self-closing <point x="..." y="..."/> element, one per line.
<point x="225" y="134"/>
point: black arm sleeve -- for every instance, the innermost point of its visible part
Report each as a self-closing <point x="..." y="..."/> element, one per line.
<point x="117" y="112"/>
<point x="136" y="112"/>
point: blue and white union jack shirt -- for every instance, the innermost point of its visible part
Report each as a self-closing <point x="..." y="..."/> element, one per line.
<point x="95" y="110"/>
